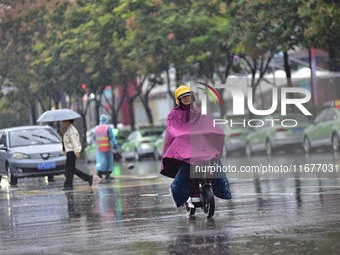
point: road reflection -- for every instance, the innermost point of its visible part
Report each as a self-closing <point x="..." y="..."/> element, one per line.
<point x="96" y="206"/>
<point x="80" y="204"/>
<point x="135" y="213"/>
<point x="200" y="236"/>
<point x="109" y="203"/>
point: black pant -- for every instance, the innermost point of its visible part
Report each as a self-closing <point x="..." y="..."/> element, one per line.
<point x="70" y="170"/>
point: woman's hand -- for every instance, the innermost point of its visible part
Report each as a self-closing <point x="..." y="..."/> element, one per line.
<point x="77" y="154"/>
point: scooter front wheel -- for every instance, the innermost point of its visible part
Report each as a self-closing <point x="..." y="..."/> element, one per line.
<point x="209" y="208"/>
<point x="189" y="210"/>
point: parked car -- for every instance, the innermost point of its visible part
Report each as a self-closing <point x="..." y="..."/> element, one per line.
<point x="30" y="151"/>
<point x="324" y="131"/>
<point x="90" y="149"/>
<point x="236" y="131"/>
<point x="273" y="136"/>
<point x="158" y="146"/>
<point x="140" y="143"/>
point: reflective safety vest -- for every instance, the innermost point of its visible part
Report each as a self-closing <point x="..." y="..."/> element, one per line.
<point x="102" y="138"/>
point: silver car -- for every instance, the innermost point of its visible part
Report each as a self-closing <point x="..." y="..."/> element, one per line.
<point x="271" y="136"/>
<point x="235" y="135"/>
<point x="30" y="151"/>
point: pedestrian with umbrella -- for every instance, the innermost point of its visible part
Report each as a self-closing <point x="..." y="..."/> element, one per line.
<point x="71" y="144"/>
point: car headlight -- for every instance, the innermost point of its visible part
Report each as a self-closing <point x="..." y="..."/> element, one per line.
<point x="145" y="146"/>
<point x="19" y="155"/>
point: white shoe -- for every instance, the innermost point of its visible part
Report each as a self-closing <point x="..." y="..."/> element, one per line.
<point x="190" y="202"/>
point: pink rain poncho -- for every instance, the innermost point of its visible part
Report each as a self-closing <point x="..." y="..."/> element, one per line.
<point x="190" y="137"/>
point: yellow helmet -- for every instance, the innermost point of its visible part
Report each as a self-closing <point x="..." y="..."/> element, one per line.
<point x="182" y="91"/>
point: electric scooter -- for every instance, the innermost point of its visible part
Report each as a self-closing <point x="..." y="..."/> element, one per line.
<point x="205" y="198"/>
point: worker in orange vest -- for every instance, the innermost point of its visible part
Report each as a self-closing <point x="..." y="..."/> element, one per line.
<point x="105" y="140"/>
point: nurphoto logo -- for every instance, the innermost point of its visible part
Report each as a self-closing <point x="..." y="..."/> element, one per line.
<point x="238" y="101"/>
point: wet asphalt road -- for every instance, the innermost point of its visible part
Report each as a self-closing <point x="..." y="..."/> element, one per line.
<point x="293" y="213"/>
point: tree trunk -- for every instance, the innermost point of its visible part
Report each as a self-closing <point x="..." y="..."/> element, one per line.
<point x="288" y="75"/>
<point x="97" y="106"/>
<point x="223" y="107"/>
<point x="131" y="114"/>
<point x="115" y="114"/>
<point x="130" y="101"/>
<point x="114" y="111"/>
<point x="83" y="136"/>
<point x="33" y="116"/>
<point x="82" y="112"/>
<point x="287" y="68"/>
<point x="169" y="86"/>
<point x="334" y="56"/>
<point x="145" y="102"/>
<point x="178" y="77"/>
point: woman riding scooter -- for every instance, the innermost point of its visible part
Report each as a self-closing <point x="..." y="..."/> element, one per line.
<point x="190" y="139"/>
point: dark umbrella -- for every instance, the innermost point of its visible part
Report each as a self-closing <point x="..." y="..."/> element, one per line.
<point x="58" y="115"/>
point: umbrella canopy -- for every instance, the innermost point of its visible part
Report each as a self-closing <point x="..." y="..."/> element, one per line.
<point x="58" y="115"/>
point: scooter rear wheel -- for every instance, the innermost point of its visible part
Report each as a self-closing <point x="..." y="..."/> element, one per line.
<point x="189" y="210"/>
<point x="209" y="208"/>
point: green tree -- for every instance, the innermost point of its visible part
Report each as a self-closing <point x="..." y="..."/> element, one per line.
<point x="190" y="37"/>
<point x="261" y="28"/>
<point x="17" y="25"/>
<point x="102" y="45"/>
<point x="323" y="27"/>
